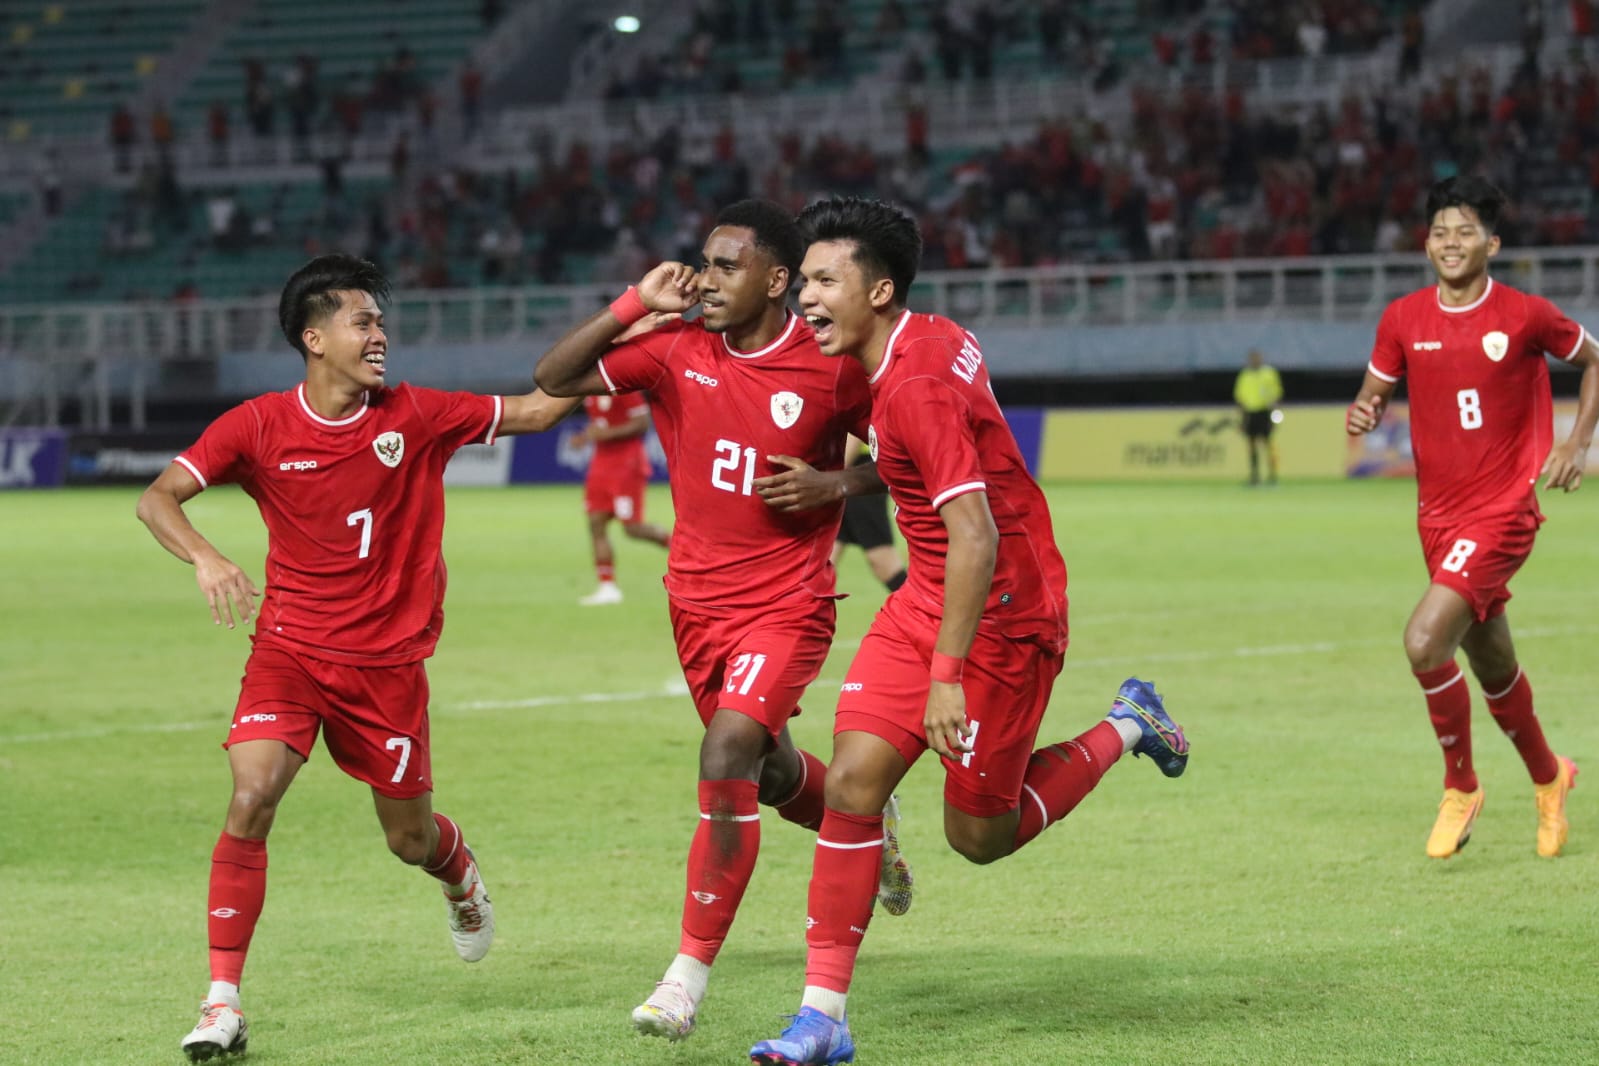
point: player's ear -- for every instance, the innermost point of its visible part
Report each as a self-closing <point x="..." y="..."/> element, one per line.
<point x="778" y="282"/>
<point x="881" y="293"/>
<point x="1493" y="245"/>
<point x="311" y="340"/>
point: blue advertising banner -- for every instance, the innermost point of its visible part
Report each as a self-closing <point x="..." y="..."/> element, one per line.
<point x="560" y="455"/>
<point x="32" y="458"/>
<point x="1027" y="426"/>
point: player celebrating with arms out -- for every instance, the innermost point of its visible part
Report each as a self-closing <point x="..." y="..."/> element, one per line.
<point x="750" y="587"/>
<point x="1481" y="429"/>
<point x="348" y="474"/>
<point x="961" y="658"/>
<point x="613" y="487"/>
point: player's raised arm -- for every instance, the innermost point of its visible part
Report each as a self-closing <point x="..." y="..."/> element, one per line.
<point x="227" y="589"/>
<point x="535" y="412"/>
<point x="1563" y="468"/>
<point x="1365" y="414"/>
<point x="569" y="367"/>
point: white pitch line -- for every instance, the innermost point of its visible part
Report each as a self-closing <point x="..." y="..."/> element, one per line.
<point x="677" y="689"/>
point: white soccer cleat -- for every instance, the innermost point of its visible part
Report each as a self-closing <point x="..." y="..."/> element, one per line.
<point x="471" y="917"/>
<point x="894" y="880"/>
<point x="669" y="1012"/>
<point x="221" y="1031"/>
<point x="608" y="592"/>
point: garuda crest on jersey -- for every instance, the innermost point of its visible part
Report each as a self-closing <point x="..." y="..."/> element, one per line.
<point x="786" y="408"/>
<point x="1495" y="344"/>
<point x="390" y="447"/>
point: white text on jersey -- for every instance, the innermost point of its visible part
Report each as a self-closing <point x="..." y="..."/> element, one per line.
<point x="1426" y="346"/>
<point x="967" y="360"/>
<point x="695" y="375"/>
<point x="299" y="464"/>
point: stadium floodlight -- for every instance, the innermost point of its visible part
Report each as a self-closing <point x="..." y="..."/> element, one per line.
<point x="626" y="24"/>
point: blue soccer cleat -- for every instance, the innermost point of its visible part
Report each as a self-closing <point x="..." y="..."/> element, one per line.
<point x="1163" y="740"/>
<point x="811" y="1039"/>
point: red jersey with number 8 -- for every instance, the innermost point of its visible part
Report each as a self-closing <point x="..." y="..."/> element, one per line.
<point x="720" y="413"/>
<point x="1481" y="417"/>
<point x="354" y="511"/>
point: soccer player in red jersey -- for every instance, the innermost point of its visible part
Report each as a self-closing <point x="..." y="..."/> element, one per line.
<point x="750" y="587"/>
<point x="1472" y="350"/>
<point x="614" y="486"/>
<point x="348" y="474"/>
<point x="962" y="657"/>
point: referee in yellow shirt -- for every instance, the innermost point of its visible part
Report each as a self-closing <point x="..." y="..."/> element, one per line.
<point x="1257" y="392"/>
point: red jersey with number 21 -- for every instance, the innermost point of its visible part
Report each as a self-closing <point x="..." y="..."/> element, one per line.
<point x="354" y="511"/>
<point x="1481" y="418"/>
<point x="719" y="413"/>
<point x="937" y="433"/>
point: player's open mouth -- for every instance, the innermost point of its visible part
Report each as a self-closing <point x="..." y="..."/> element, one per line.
<point x="823" y="327"/>
<point x="374" y="360"/>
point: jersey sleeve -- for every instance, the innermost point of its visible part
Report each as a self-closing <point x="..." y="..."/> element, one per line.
<point x="462" y="418"/>
<point x="225" y="451"/>
<point x="932" y="423"/>
<point x="637" y="365"/>
<point x="1552" y="330"/>
<point x="1388" y="353"/>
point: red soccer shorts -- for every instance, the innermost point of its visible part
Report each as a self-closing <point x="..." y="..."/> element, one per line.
<point x="757" y="662"/>
<point x="1007" y="684"/>
<point x="374" y="718"/>
<point x="616" y="489"/>
<point x="1478" y="558"/>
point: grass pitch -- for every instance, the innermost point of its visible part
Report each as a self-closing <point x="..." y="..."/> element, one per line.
<point x="1273" y="906"/>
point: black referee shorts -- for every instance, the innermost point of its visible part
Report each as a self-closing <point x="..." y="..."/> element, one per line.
<point x="866" y="523"/>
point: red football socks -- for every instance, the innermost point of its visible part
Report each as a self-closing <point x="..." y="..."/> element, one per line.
<point x="1510" y="702"/>
<point x="804" y="807"/>
<point x="1449" y="708"/>
<point x="605" y="571"/>
<point x="450" y="860"/>
<point x="720" y="862"/>
<point x="849" y="859"/>
<point x="1059" y="776"/>
<point x="238" y="889"/>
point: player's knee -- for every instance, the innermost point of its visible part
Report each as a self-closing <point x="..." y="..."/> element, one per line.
<point x="1425" y="647"/>
<point x="409" y="844"/>
<point x="251" y="809"/>
<point x="729" y="756"/>
<point x="976" y="846"/>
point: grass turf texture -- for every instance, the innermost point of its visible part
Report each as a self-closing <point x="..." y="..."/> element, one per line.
<point x="1273" y="906"/>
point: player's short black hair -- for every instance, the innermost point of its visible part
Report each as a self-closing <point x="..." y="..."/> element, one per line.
<point x="776" y="232"/>
<point x="308" y="294"/>
<point x="1484" y="198"/>
<point x="887" y="242"/>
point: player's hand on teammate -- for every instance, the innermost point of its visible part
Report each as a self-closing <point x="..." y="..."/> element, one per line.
<point x="1364" y="415"/>
<point x="1563" y="468"/>
<point x="948" y="731"/>
<point x="227" y="589"/>
<point x="798" y="486"/>
<point x="671" y="288"/>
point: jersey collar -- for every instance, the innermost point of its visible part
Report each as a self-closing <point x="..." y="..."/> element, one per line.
<point x="782" y="338"/>
<point x="1472" y="306"/>
<point x="888" y="349"/>
<point x="299" y="393"/>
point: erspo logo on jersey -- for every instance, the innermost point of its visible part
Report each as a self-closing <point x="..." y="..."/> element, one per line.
<point x="298" y="464"/>
<point x="703" y="379"/>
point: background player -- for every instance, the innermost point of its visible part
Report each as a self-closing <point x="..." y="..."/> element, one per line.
<point x="1472" y="350"/>
<point x="960" y="659"/>
<point x="866" y="525"/>
<point x="348" y="475"/>
<point x="618" y="474"/>
<point x="750" y="588"/>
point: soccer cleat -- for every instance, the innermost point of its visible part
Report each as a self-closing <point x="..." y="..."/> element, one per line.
<point x="895" y="880"/>
<point x="221" y="1031"/>
<point x="471" y="916"/>
<point x="669" y="1012"/>
<point x="811" y="1039"/>
<point x="1163" y="741"/>
<point x="608" y="592"/>
<point x="1552" y="824"/>
<point x="1457" y="813"/>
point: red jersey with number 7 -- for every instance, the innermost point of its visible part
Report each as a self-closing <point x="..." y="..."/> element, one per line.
<point x="938" y="433"/>
<point x="354" y="511"/>
<point x="720" y="413"/>
<point x="1481" y="417"/>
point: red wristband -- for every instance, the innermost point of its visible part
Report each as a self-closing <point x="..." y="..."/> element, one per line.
<point x="947" y="668"/>
<point x="629" y="307"/>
